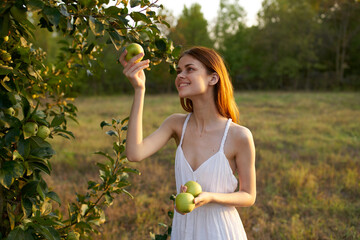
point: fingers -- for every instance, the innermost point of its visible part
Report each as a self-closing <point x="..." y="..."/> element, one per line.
<point x="122" y="58"/>
<point x="136" y="58"/>
<point x="131" y="70"/>
<point x="133" y="60"/>
<point x="183" y="188"/>
<point x="179" y="211"/>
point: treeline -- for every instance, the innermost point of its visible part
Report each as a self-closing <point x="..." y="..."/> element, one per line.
<point x="297" y="45"/>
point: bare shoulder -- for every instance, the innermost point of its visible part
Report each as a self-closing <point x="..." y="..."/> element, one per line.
<point x="175" y="120"/>
<point x="175" y="123"/>
<point x="240" y="133"/>
<point x="240" y="136"/>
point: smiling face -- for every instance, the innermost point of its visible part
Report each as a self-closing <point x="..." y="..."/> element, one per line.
<point x="192" y="77"/>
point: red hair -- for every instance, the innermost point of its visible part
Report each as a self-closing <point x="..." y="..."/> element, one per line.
<point x="223" y="91"/>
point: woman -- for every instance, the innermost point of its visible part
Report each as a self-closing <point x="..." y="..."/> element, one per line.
<point x="212" y="146"/>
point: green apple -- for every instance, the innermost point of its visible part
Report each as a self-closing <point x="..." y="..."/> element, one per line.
<point x="184" y="202"/>
<point x="193" y="187"/>
<point x="133" y="49"/>
<point x="43" y="132"/>
<point x="30" y="129"/>
<point x="10" y="111"/>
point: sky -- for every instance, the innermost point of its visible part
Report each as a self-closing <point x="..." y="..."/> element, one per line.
<point x="210" y="8"/>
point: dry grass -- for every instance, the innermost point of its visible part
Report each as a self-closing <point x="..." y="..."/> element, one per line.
<point x="308" y="165"/>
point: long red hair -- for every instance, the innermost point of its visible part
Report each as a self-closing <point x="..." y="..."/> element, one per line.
<point x="224" y="93"/>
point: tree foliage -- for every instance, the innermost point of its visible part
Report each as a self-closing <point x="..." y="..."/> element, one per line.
<point x="296" y="45"/>
<point x="191" y="28"/>
<point x="36" y="104"/>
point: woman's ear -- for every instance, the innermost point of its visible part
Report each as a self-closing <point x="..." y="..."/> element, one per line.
<point x="214" y="79"/>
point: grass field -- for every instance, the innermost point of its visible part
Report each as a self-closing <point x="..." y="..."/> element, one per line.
<point x="307" y="162"/>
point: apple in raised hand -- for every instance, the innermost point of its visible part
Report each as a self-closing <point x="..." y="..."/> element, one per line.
<point x="133" y="49"/>
<point x="184" y="202"/>
<point x="193" y="187"/>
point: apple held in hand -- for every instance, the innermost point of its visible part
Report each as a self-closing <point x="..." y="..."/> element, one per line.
<point x="133" y="49"/>
<point x="184" y="202"/>
<point x="193" y="187"/>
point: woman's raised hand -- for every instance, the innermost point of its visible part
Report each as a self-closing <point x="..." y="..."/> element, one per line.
<point x="134" y="71"/>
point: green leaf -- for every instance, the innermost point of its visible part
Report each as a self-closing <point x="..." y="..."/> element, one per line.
<point x="165" y="23"/>
<point x="118" y="148"/>
<point x="46" y="231"/>
<point x="36" y="4"/>
<point x="137" y="16"/>
<point x="54" y="196"/>
<point x="52" y="14"/>
<point x="112" y="11"/>
<point x="104" y="123"/>
<point x="112" y="133"/>
<point x="108" y="198"/>
<point x="40" y="166"/>
<point x="89" y="48"/>
<point x="29" y="190"/>
<point x="96" y="26"/>
<point x="16" y="234"/>
<point x="38" y="115"/>
<point x="17" y="155"/>
<point x="134" y="3"/>
<point x="176" y="52"/>
<point x="9" y="171"/>
<point x="161" y="44"/>
<point x="46" y="208"/>
<point x="11" y="215"/>
<point x="106" y="155"/>
<point x="132" y="170"/>
<point x="40" y="148"/>
<point x="12" y="136"/>
<point x="127" y="193"/>
<point x="25" y="106"/>
<point x="7" y="100"/>
<point x="43" y="152"/>
<point x="64" y="11"/>
<point x="26" y="205"/>
<point x="56" y="130"/>
<point x="4" y="26"/>
<point x="116" y="38"/>
<point x="40" y="191"/>
<point x="57" y="120"/>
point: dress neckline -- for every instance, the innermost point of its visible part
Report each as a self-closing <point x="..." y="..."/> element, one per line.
<point x="221" y="148"/>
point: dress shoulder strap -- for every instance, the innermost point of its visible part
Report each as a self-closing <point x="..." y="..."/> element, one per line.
<point x="184" y="128"/>
<point x="225" y="134"/>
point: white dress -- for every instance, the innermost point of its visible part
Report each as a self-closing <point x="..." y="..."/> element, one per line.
<point x="211" y="221"/>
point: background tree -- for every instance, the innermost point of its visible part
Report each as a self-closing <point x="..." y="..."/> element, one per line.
<point x="339" y="28"/>
<point x="191" y="28"/>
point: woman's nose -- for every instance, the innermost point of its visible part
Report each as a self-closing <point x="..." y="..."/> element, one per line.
<point x="181" y="75"/>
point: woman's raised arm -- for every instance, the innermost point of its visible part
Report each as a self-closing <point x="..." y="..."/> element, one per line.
<point x="138" y="148"/>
